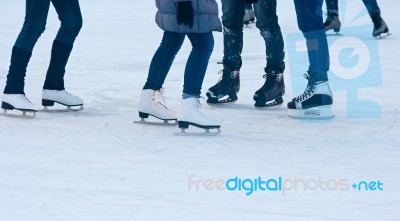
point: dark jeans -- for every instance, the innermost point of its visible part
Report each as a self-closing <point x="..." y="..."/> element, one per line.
<point x="68" y="12"/>
<point x="310" y="22"/>
<point x="70" y="16"/>
<point x="371" y="5"/>
<point x="196" y="66"/>
<point x="267" y="22"/>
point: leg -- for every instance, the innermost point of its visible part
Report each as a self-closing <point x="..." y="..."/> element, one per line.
<point x="229" y="85"/>
<point x="163" y="59"/>
<point x="152" y="101"/>
<point x="70" y="16"/>
<point x="332" y="20"/>
<point x="196" y="66"/>
<point x="309" y="18"/>
<point x="232" y="20"/>
<point x="34" y="25"/>
<point x="372" y="6"/>
<point x="332" y="5"/>
<point x="316" y="101"/>
<point x="267" y="21"/>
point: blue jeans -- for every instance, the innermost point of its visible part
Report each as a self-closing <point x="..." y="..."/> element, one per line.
<point x="371" y="5"/>
<point x="36" y="13"/>
<point x="196" y="66"/>
<point x="310" y="22"/>
<point x="267" y="21"/>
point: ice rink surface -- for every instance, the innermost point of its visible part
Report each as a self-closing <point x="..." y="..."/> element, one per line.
<point x="98" y="165"/>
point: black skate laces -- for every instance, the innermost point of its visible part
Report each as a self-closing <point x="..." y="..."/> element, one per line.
<point x="308" y="91"/>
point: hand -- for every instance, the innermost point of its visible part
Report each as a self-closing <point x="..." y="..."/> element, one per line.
<point x="185" y="13"/>
<point x="251" y="1"/>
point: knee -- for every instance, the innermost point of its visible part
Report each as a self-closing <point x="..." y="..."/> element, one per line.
<point x="72" y="27"/>
<point x="33" y="30"/>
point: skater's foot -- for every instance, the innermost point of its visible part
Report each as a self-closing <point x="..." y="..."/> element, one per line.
<point x="63" y="97"/>
<point x="18" y="102"/>
<point x="270" y="94"/>
<point x="191" y="115"/>
<point x="225" y="91"/>
<point x="332" y="22"/>
<point x="153" y="103"/>
<point x="380" y="26"/>
<point x="315" y="102"/>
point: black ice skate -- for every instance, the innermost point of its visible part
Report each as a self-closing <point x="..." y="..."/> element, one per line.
<point x="270" y="94"/>
<point x="332" y="22"/>
<point x="225" y="91"/>
<point x="381" y="29"/>
<point x="314" y="103"/>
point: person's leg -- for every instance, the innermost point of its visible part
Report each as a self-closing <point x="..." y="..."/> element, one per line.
<point x="332" y="5"/>
<point x="232" y="20"/>
<point x="309" y="18"/>
<point x="34" y="25"/>
<point x="316" y="101"/>
<point x="152" y="100"/>
<point x="225" y="91"/>
<point x="267" y="22"/>
<point x="332" y="21"/>
<point x="163" y="59"/>
<point x="380" y="26"/>
<point x="196" y="66"/>
<point x="372" y="6"/>
<point x="69" y="14"/>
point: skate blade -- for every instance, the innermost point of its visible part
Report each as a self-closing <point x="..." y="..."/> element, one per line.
<point x="271" y="107"/>
<point x="338" y="34"/>
<point x="383" y="35"/>
<point x="165" y="123"/>
<point x="24" y="115"/>
<point x="315" y="113"/>
<point x="68" y="109"/>
<point x="198" y="134"/>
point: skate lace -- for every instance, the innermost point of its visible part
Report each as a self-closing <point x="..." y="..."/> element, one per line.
<point x="70" y="95"/>
<point x="223" y="79"/>
<point x="24" y="98"/>
<point x="197" y="106"/>
<point x="159" y="100"/>
<point x="307" y="92"/>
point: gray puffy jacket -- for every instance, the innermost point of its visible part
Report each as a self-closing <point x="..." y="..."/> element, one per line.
<point x="205" y="16"/>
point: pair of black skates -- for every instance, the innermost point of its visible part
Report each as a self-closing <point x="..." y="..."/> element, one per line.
<point x="314" y="103"/>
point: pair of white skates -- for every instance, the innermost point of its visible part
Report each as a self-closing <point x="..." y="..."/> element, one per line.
<point x="152" y="104"/>
<point x="21" y="103"/>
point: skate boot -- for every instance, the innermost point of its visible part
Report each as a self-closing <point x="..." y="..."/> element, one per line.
<point x="49" y="97"/>
<point x="17" y="102"/>
<point x="191" y="115"/>
<point x="225" y="91"/>
<point x="270" y="94"/>
<point x="152" y="103"/>
<point x="314" y="103"/>
<point x="380" y="26"/>
<point x="332" y="22"/>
